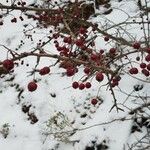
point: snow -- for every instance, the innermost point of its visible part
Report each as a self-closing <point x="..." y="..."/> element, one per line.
<point x="71" y="103"/>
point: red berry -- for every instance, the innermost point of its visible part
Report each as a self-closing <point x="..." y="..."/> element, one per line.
<point x="44" y="71"/>
<point x="148" y="67"/>
<point x="106" y="38"/>
<point x="94" y="57"/>
<point x="114" y="83"/>
<point x="101" y="51"/>
<point x="8" y="64"/>
<point x="32" y="86"/>
<point x="133" y="70"/>
<point x="145" y="72"/>
<point x="70" y="72"/>
<point x="94" y="101"/>
<point x="81" y="86"/>
<point x="87" y="70"/>
<point x="99" y="76"/>
<point x="58" y="48"/>
<point x="143" y="65"/>
<point x="117" y="78"/>
<point x="67" y="40"/>
<point x="83" y="47"/>
<point x="88" y="85"/>
<point x="147" y="58"/>
<point x="82" y="30"/>
<point x="79" y="42"/>
<point x="75" y="85"/>
<point x="112" y="51"/>
<point x="136" y="45"/>
<point x="148" y="50"/>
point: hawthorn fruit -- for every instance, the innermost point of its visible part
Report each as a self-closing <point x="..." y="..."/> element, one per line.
<point x="142" y="65"/>
<point x="133" y="70"/>
<point x="101" y="51"/>
<point x="88" y="85"/>
<point x="94" y="57"/>
<point x="75" y="85"/>
<point x="94" y="101"/>
<point x="32" y="86"/>
<point x="81" y="86"/>
<point x="79" y="42"/>
<point x="82" y="30"/>
<point x="44" y="71"/>
<point x="136" y="45"/>
<point x="145" y="72"/>
<point x="148" y="50"/>
<point x="70" y="72"/>
<point x="87" y="70"/>
<point x="8" y="64"/>
<point x="99" y="77"/>
<point x="147" y="58"/>
<point x="112" y="51"/>
<point x="114" y="83"/>
<point x="106" y="38"/>
<point x="148" y="67"/>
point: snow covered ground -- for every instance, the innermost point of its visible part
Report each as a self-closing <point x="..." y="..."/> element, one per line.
<point x="80" y="124"/>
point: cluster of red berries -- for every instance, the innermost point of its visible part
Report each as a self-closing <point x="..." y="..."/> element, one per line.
<point x="81" y="86"/>
<point x="145" y="69"/>
<point x="49" y="19"/>
<point x="70" y="71"/>
<point x="63" y="50"/>
<point x="68" y="40"/>
<point x="99" y="77"/>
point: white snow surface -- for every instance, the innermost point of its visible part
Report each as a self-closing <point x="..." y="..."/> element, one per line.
<point x="68" y="103"/>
